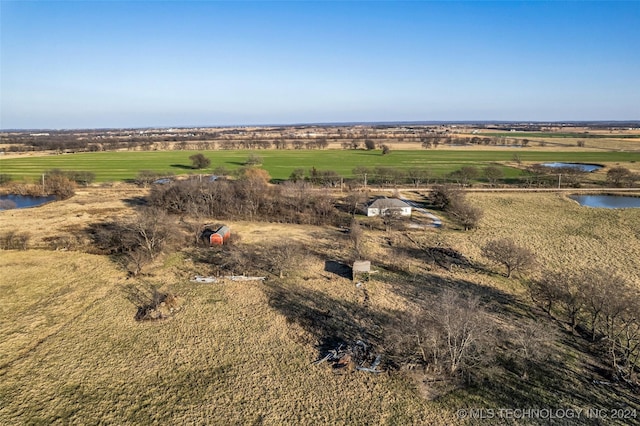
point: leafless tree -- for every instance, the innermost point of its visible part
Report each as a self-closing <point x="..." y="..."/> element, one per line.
<point x="284" y="257"/>
<point x="467" y="215"/>
<point x="532" y="344"/>
<point x="507" y="253"/>
<point x="465" y="175"/>
<point x="441" y="196"/>
<point x="356" y="235"/>
<point x="418" y="176"/>
<point x="493" y="174"/>
<point x="151" y="230"/>
<point x="621" y="176"/>
<point x="545" y="291"/>
<point x="455" y="334"/>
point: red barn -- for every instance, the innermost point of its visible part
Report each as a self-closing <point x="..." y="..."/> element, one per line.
<point x="220" y="237"/>
<point x="216" y="238"/>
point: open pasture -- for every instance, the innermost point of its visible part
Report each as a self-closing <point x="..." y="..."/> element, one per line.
<point x="118" y="166"/>
<point x="237" y="354"/>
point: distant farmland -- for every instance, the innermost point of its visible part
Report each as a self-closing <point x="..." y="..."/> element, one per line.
<point x="116" y="166"/>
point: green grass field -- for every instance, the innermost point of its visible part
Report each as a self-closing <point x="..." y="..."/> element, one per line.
<point x="115" y="166"/>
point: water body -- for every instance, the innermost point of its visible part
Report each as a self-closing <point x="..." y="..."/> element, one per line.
<point x="584" y="167"/>
<point x="13" y="201"/>
<point x="607" y="201"/>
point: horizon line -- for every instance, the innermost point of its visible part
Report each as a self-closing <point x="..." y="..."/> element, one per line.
<point x="332" y="123"/>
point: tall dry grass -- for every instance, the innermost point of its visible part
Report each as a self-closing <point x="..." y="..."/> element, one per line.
<point x="73" y="353"/>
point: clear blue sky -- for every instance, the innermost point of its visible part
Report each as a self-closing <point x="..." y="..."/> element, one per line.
<point x="134" y="64"/>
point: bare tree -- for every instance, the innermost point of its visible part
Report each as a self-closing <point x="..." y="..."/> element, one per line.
<point x="467" y="215"/>
<point x="507" y="253"/>
<point x="546" y="290"/>
<point x="532" y="340"/>
<point x="418" y="176"/>
<point x="441" y="196"/>
<point x="151" y="230"/>
<point x="354" y="200"/>
<point x="60" y="186"/>
<point x="493" y="174"/>
<point x="297" y="175"/>
<point x="455" y="334"/>
<point x="621" y="176"/>
<point x="603" y="292"/>
<point x="356" y="235"/>
<point x="465" y="175"/>
<point x="284" y="257"/>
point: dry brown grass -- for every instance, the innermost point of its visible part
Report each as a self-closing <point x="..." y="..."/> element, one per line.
<point x="241" y="353"/>
<point x="227" y="357"/>
<point x="63" y="219"/>
<point x="563" y="234"/>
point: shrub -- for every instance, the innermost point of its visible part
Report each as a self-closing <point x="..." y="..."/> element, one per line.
<point x="253" y="160"/>
<point x="199" y="161"/>
<point x="369" y="144"/>
<point x="5" y="178"/>
<point x="13" y="240"/>
<point x="60" y="186"/>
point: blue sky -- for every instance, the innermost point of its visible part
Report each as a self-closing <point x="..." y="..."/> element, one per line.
<point x="135" y="64"/>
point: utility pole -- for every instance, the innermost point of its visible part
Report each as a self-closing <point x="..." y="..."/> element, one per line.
<point x="559" y="179"/>
<point x="365" y="181"/>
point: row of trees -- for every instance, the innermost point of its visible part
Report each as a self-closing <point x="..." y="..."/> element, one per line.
<point x="248" y="197"/>
<point x="599" y="304"/>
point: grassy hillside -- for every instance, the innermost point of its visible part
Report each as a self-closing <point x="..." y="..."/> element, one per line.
<point x="113" y="166"/>
<point x="242" y="353"/>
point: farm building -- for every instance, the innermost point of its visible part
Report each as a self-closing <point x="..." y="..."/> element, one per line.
<point x="218" y="237"/>
<point x="382" y="206"/>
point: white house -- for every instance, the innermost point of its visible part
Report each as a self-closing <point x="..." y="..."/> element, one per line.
<point x="383" y="206"/>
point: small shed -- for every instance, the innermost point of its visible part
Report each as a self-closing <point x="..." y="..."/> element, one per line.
<point x="360" y="267"/>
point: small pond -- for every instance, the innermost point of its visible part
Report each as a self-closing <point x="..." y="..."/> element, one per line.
<point x="584" y="167"/>
<point x="607" y="201"/>
<point x="13" y="201"/>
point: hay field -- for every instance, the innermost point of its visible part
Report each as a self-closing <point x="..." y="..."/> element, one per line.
<point x="241" y="353"/>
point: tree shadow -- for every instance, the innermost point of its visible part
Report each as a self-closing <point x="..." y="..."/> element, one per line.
<point x="331" y="321"/>
<point x="182" y="166"/>
<point x="337" y="268"/>
<point x="135" y="201"/>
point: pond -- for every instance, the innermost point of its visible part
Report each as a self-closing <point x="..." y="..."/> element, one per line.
<point x="607" y="201"/>
<point x="584" y="167"/>
<point x="13" y="201"/>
